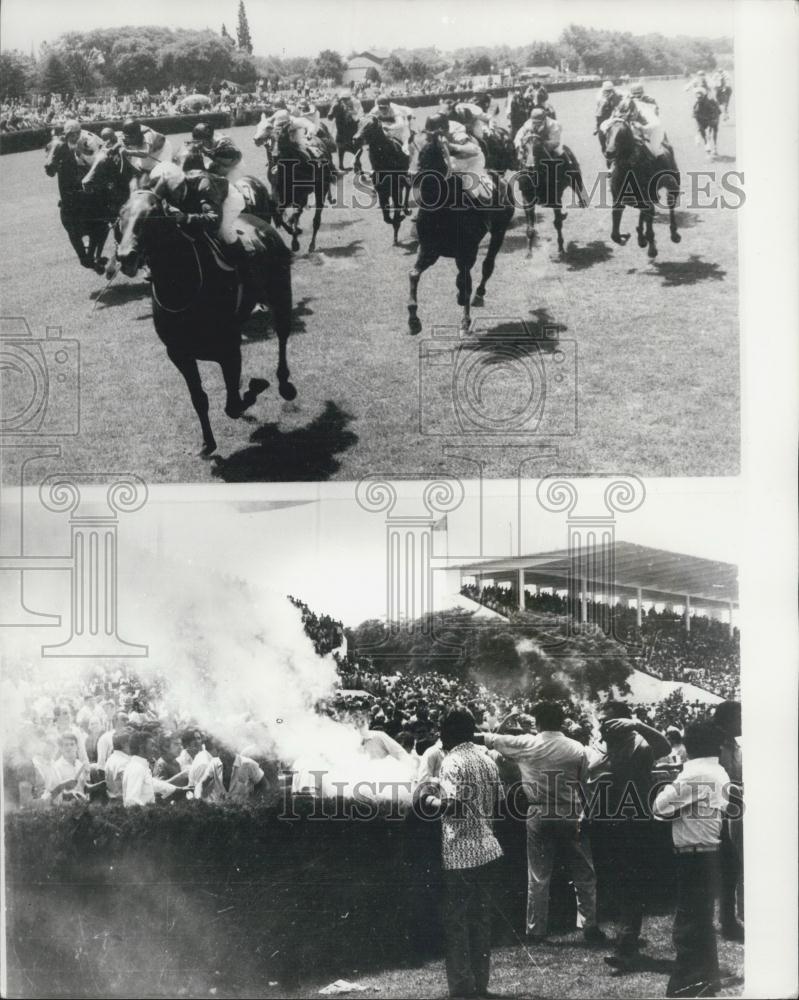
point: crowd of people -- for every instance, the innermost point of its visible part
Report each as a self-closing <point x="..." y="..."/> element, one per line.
<point x="708" y="655"/>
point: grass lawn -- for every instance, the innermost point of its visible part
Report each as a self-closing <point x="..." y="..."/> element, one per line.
<point x="655" y="344"/>
<point x="563" y="968"/>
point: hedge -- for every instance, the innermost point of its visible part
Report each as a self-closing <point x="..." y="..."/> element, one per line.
<point x="23" y="141"/>
<point x="174" y="898"/>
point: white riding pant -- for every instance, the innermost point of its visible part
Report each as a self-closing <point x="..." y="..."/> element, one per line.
<point x="232" y="207"/>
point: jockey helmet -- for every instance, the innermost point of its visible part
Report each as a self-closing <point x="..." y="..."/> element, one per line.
<point x="482" y="99"/>
<point x="131" y="130"/>
<point x="382" y="102"/>
<point x="203" y="132"/>
<point x="227" y="153"/>
<point x="538" y="115"/>
<point x="607" y="86"/>
<point x="304" y="106"/>
<point x="71" y="127"/>
<point x="108" y="133"/>
<point x="542" y="93"/>
<point x="437" y="124"/>
<point x="637" y="90"/>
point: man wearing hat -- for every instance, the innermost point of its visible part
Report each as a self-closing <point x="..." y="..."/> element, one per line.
<point x="541" y="100"/>
<point x="638" y="95"/>
<point x="396" y="120"/>
<point x="142" y="146"/>
<point x="82" y="144"/>
<point x="608" y="99"/>
<point x="541" y="128"/>
<point x="463" y="155"/>
<point x="200" y="201"/>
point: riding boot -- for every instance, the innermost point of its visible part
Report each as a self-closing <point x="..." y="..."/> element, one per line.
<point x="245" y="262"/>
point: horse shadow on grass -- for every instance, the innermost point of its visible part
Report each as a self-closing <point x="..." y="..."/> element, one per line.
<point x="308" y="454"/>
<point x="686" y="272"/>
<point x="353" y="249"/>
<point x="118" y="295"/>
<point x="581" y="258"/>
<point x="684" y="220"/>
<point x="259" y="326"/>
<point x="533" y="336"/>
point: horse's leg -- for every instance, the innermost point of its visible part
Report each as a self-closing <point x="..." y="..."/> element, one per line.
<point x="424" y="259"/>
<point x="294" y="228"/>
<point x="191" y="373"/>
<point x="279" y="298"/>
<point x="494" y="245"/>
<point x="230" y="364"/>
<point x="615" y="235"/>
<point x="672" y="200"/>
<point x="557" y="222"/>
<point x="73" y="234"/>
<point x="641" y="229"/>
<point x="464" y="285"/>
<point x="649" y="216"/>
<point x="317" y="221"/>
<point x="529" y="212"/>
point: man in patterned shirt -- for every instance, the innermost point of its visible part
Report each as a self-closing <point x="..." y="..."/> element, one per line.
<point x="469" y="790"/>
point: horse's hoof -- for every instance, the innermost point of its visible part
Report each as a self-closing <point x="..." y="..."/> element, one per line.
<point x="287" y="390"/>
<point x="207" y="449"/>
<point x="466" y="325"/>
<point x="652" y="253"/>
<point x="478" y="300"/>
<point x="620" y="238"/>
<point x="414" y="325"/>
<point x="234" y="412"/>
<point x="295" y="244"/>
<point x="676" y="238"/>
<point x="642" y="241"/>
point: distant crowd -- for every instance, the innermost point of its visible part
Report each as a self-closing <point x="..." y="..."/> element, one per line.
<point x="708" y="656"/>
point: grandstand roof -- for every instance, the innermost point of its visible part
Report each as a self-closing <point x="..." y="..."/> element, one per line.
<point x="660" y="574"/>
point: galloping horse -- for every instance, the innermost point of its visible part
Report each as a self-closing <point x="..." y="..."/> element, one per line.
<point x="723" y="95"/>
<point x="390" y="165"/>
<point x="82" y="214"/>
<point x="543" y="179"/>
<point x="293" y="178"/>
<point x="200" y="301"/>
<point x="636" y="178"/>
<point x="499" y="151"/>
<point x="706" y="115"/>
<point x="450" y="225"/>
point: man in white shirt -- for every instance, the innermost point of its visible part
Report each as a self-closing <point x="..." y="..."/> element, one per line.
<point x="695" y="802"/>
<point x="396" y="120"/>
<point x="105" y="745"/>
<point x="229" y="777"/>
<point x="67" y="777"/>
<point x="139" y="787"/>
<point x="116" y="763"/>
<point x="553" y="767"/>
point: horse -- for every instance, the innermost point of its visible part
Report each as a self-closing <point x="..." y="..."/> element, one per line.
<point x="706" y="115"/>
<point x="636" y="178"/>
<point x="294" y="176"/>
<point x="723" y="96"/>
<point x="390" y="171"/>
<point x="542" y="180"/>
<point x="346" y="129"/>
<point x="82" y="214"/>
<point x="200" y="301"/>
<point x="448" y="224"/>
<point x="499" y="151"/>
<point x="114" y="178"/>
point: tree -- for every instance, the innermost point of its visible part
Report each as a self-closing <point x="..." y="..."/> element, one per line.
<point x="243" y="30"/>
<point x="53" y="75"/>
<point x="17" y="73"/>
<point x="418" y="69"/>
<point x="371" y="75"/>
<point x="329" y="64"/>
<point x="225" y="34"/>
<point x="394" y="68"/>
<point x="479" y="65"/>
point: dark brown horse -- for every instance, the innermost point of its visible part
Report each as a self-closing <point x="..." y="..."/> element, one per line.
<point x="543" y="179"/>
<point x="706" y="114"/>
<point x="390" y="176"/>
<point x="200" y="302"/>
<point x="636" y="179"/>
<point x="83" y="214"/>
<point x="450" y="224"/>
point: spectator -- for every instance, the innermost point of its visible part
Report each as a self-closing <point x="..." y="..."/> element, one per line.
<point x="139" y="787"/>
<point x="105" y="744"/>
<point x="167" y="765"/>
<point x="553" y="767"/>
<point x="695" y="802"/>
<point x="469" y="790"/>
<point x="67" y="777"/>
<point x="230" y="777"/>
<point x="622" y="767"/>
<point x="116" y="764"/>
<point x="727" y="717"/>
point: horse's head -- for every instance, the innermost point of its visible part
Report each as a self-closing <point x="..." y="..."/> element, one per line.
<point x="620" y="140"/>
<point x="104" y="163"/>
<point x="370" y="130"/>
<point x="55" y="151"/>
<point x="141" y="208"/>
<point x="263" y="131"/>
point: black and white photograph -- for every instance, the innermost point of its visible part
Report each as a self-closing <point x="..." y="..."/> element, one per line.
<point x="398" y="499"/>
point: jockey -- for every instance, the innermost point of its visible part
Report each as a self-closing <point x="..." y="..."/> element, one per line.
<point x="541" y="100"/>
<point x="203" y="203"/>
<point x="644" y="122"/>
<point x="607" y="101"/>
<point x="516" y="111"/>
<point x="464" y="155"/>
<point x="109" y="138"/>
<point x="143" y="147"/>
<point x="207" y="151"/>
<point x="396" y="120"/>
<point x="638" y="95"/>
<point x="483" y="101"/>
<point x="540" y="126"/>
<point x="307" y="110"/>
<point x="82" y="144"/>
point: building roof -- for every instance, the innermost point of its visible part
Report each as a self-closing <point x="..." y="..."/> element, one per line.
<point x="373" y="55"/>
<point x="660" y="574"/>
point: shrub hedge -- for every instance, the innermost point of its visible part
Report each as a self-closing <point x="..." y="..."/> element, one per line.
<point x="167" y="899"/>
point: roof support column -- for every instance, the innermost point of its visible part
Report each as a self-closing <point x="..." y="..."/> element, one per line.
<point x="687" y="612"/>
<point x="638" y="597"/>
<point x="730" y="606"/>
<point x="584" y="600"/>
<point x="520" y="584"/>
